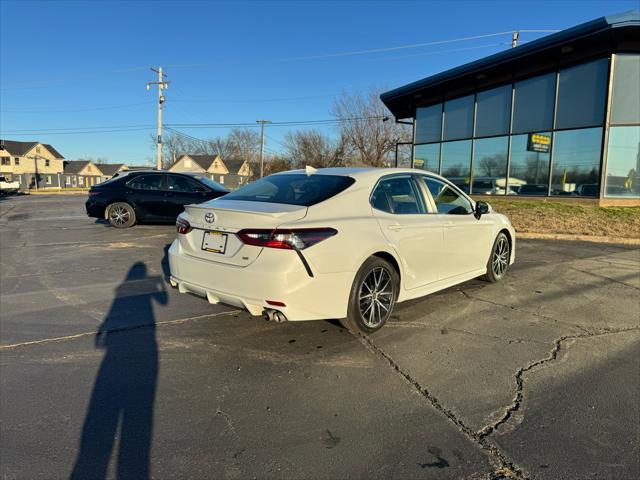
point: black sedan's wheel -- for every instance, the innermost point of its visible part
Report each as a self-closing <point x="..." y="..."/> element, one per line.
<point x="499" y="260"/>
<point x="373" y="296"/>
<point x="121" y="215"/>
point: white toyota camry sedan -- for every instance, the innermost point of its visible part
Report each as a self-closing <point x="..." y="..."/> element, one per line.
<point x="341" y="243"/>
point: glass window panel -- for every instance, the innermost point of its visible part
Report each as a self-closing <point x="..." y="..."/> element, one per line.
<point x="533" y="104"/>
<point x="429" y="124"/>
<point x="427" y="157"/>
<point x="447" y="200"/>
<point x="625" y="104"/>
<point x="581" y="94"/>
<point x="493" y="112"/>
<point x="529" y="167"/>
<point x="399" y="195"/>
<point x="456" y="163"/>
<point x="576" y="162"/>
<point x="490" y="166"/>
<point x="623" y="162"/>
<point x="458" y="118"/>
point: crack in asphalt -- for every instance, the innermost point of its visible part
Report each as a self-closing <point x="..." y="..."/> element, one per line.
<point x="505" y="468"/>
<point x="519" y="376"/>
<point x="115" y="330"/>
<point x="597" y="275"/>
<point x="530" y="312"/>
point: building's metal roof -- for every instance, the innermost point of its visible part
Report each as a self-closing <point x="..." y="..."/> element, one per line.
<point x="614" y="31"/>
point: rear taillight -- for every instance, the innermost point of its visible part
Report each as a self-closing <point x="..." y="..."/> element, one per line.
<point x="288" y="239"/>
<point x="93" y="193"/>
<point x="182" y="226"/>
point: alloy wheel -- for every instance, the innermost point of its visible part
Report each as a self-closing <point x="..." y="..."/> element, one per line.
<point x="500" y="260"/>
<point x="376" y="297"/>
<point x="119" y="215"/>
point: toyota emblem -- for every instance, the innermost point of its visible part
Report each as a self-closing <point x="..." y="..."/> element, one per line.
<point x="209" y="217"/>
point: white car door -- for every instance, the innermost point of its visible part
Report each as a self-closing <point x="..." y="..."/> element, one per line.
<point x="400" y="209"/>
<point x="467" y="240"/>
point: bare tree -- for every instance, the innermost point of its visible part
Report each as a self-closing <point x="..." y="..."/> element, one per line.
<point x="365" y="130"/>
<point x="275" y="164"/>
<point x="310" y="147"/>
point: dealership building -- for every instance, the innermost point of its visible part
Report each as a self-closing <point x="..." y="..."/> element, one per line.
<point x="555" y="117"/>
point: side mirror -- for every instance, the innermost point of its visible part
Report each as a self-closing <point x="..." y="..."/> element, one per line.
<point x="481" y="209"/>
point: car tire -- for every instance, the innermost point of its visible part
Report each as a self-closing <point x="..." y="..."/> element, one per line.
<point x="121" y="215"/>
<point x="498" y="263"/>
<point x="373" y="295"/>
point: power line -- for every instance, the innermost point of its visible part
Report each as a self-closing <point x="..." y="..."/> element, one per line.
<point x="112" y="107"/>
<point x="368" y="51"/>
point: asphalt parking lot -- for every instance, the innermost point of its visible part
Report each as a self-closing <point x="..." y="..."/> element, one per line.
<point x="534" y="377"/>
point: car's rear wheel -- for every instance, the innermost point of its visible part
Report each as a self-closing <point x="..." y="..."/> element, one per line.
<point x="121" y="215"/>
<point x="498" y="263"/>
<point x="373" y="296"/>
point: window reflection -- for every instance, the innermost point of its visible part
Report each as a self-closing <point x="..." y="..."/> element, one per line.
<point x="493" y="112"/>
<point x="533" y="104"/>
<point x="490" y="166"/>
<point x="625" y="105"/>
<point x="529" y="168"/>
<point x="458" y="118"/>
<point x="581" y="94"/>
<point x="576" y="162"/>
<point x="427" y="157"/>
<point x="623" y="162"/>
<point x="429" y="124"/>
<point x="456" y="163"/>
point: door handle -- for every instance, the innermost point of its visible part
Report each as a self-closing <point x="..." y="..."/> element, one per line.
<point x="395" y="227"/>
<point x="449" y="225"/>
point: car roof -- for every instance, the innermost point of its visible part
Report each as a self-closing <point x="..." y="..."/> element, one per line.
<point x="362" y="173"/>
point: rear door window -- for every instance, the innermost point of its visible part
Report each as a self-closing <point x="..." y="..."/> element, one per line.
<point x="292" y="189"/>
<point x="146" y="182"/>
<point x="398" y="195"/>
<point x="176" y="183"/>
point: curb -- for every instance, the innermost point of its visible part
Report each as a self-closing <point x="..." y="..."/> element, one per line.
<point x="578" y="238"/>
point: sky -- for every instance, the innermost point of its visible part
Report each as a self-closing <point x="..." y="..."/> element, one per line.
<point x="74" y="74"/>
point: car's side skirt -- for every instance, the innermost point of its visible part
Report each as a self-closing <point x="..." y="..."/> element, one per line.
<point x="439" y="285"/>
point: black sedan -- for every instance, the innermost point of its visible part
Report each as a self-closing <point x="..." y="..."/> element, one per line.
<point x="152" y="196"/>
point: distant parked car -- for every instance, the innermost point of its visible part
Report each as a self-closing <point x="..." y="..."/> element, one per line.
<point x="7" y="187"/>
<point x="153" y="196"/>
<point x="337" y="243"/>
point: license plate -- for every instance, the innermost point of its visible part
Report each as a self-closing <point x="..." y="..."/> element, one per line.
<point x="215" y="242"/>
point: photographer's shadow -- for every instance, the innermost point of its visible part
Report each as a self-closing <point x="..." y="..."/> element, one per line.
<point x="124" y="391"/>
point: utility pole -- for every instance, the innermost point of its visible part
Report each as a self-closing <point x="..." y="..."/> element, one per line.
<point x="262" y="124"/>
<point x="514" y="39"/>
<point x="161" y="86"/>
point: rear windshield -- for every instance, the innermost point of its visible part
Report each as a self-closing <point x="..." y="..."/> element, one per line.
<point x="292" y="189"/>
<point x="215" y="186"/>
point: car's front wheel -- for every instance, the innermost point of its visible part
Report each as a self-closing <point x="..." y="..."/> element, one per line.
<point x="499" y="261"/>
<point x="121" y="215"/>
<point x="373" y="296"/>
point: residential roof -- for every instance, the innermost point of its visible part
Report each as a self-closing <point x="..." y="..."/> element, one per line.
<point x="205" y="161"/>
<point x="109" y="169"/>
<point x="17" y="148"/>
<point x="53" y="151"/>
<point x="21" y="148"/>
<point x="233" y="164"/>
<point x="75" y="166"/>
<point x="600" y="37"/>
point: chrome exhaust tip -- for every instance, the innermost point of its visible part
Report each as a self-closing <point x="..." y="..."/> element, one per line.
<point x="271" y="315"/>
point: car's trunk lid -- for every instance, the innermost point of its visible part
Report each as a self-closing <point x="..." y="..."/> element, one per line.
<point x="215" y="223"/>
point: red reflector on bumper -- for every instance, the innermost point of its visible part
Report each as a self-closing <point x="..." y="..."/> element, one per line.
<point x="276" y="303"/>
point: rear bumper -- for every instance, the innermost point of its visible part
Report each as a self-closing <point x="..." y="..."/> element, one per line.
<point x="275" y="275"/>
<point x="94" y="209"/>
